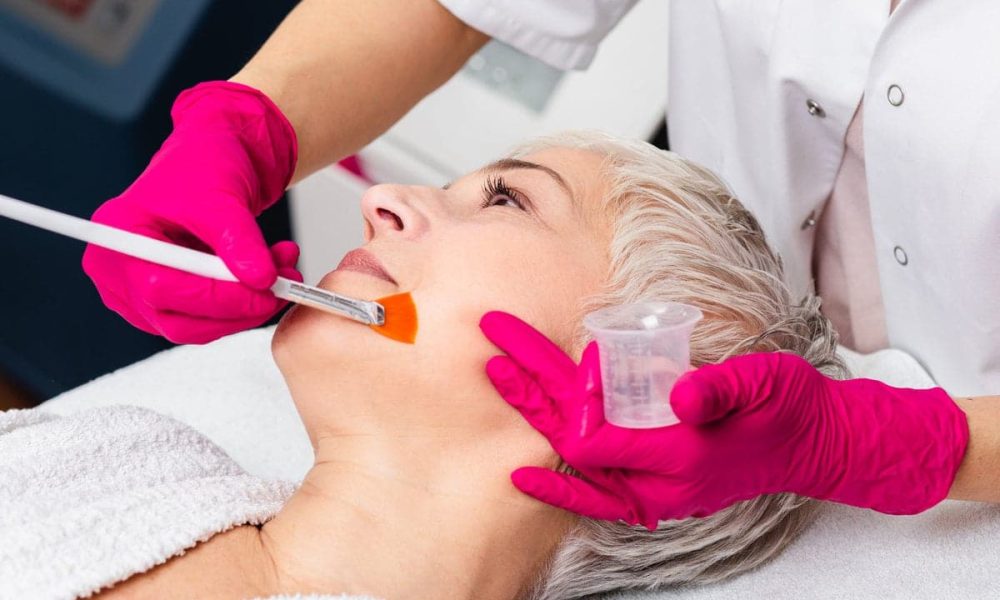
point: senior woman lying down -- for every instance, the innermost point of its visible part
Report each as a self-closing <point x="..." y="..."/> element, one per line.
<point x="410" y="494"/>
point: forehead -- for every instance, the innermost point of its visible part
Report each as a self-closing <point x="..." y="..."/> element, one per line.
<point x="584" y="173"/>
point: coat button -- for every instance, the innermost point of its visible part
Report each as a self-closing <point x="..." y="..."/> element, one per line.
<point x="895" y="95"/>
<point x="815" y="109"/>
<point x="900" y="255"/>
<point x="809" y="221"/>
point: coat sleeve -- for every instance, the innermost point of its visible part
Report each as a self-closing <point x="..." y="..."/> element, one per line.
<point x="561" y="33"/>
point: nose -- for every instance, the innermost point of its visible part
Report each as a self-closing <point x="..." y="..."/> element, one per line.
<point x="393" y="210"/>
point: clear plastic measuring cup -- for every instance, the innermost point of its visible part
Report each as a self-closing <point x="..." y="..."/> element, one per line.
<point x="644" y="348"/>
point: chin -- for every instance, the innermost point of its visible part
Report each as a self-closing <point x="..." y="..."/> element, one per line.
<point x="308" y="338"/>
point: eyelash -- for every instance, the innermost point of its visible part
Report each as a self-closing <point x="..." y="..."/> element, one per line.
<point x="496" y="186"/>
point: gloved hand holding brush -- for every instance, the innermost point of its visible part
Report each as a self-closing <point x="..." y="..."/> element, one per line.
<point x="230" y="156"/>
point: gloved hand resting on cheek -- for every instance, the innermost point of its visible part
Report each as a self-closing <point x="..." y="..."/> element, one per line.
<point x="755" y="424"/>
<point x="230" y="156"/>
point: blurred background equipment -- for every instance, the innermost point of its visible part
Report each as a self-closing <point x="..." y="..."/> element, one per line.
<point x="86" y="88"/>
<point x="85" y="93"/>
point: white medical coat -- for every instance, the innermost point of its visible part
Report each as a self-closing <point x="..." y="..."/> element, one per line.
<point x="762" y="92"/>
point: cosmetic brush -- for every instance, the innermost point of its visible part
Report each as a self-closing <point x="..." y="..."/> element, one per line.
<point x="392" y="316"/>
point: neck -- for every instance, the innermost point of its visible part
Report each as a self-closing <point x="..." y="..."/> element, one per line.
<point x="430" y="513"/>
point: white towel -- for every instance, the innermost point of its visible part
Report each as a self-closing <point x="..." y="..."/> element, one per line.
<point x="91" y="499"/>
<point x="231" y="391"/>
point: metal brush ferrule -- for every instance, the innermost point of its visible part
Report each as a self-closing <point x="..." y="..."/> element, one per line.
<point x="363" y="311"/>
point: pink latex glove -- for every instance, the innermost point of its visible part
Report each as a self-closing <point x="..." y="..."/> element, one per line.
<point x="230" y="156"/>
<point x="754" y="424"/>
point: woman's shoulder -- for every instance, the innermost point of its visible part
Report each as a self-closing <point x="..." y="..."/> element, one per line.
<point x="231" y="564"/>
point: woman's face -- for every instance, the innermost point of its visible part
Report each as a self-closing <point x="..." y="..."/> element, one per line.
<point x="529" y="237"/>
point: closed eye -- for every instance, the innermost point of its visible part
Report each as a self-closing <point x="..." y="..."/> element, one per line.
<point x="497" y="193"/>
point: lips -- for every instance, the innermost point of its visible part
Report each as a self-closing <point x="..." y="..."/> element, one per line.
<point x="363" y="261"/>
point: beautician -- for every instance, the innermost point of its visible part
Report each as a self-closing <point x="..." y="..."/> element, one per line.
<point x="865" y="137"/>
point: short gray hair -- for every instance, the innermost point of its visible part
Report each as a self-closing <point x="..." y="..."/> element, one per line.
<point x="680" y="235"/>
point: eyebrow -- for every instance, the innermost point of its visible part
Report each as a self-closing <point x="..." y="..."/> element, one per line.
<point x="511" y="164"/>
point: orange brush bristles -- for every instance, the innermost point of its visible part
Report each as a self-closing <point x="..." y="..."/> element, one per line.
<point x="400" y="318"/>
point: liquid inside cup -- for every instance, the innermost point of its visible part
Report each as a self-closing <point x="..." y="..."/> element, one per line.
<point x="644" y="348"/>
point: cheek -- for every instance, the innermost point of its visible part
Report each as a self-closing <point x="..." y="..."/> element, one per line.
<point x="540" y="281"/>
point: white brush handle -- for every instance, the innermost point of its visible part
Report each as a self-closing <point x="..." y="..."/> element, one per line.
<point x="181" y="258"/>
<point x="126" y="242"/>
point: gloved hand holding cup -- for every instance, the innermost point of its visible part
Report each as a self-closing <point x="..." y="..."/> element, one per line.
<point x="754" y="424"/>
